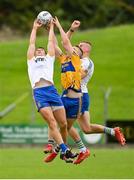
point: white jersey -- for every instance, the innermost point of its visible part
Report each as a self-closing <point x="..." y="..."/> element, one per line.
<point x="41" y="67"/>
<point x="88" y="65"/>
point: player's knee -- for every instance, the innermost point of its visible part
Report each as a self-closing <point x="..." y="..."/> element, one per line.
<point x="86" y="130"/>
<point x="63" y="124"/>
<point x="68" y="127"/>
<point x="52" y="124"/>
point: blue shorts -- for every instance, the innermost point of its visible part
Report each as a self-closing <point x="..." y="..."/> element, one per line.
<point x="72" y="106"/>
<point x="47" y="97"/>
<point x="85" y="102"/>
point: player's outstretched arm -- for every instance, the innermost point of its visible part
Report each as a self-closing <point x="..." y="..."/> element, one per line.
<point x="32" y="40"/>
<point x="58" y="51"/>
<point x="74" y="26"/>
<point x="65" y="40"/>
<point x="50" y="46"/>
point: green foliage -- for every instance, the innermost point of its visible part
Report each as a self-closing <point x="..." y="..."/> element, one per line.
<point x="92" y="13"/>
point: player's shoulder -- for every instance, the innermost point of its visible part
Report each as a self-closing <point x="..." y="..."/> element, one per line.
<point x="49" y="57"/>
<point x="85" y="61"/>
<point x="74" y="55"/>
<point x="30" y="60"/>
<point x="62" y="58"/>
<point x="89" y="61"/>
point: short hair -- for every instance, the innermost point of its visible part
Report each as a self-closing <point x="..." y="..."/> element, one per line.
<point x="40" y="47"/>
<point x="88" y="42"/>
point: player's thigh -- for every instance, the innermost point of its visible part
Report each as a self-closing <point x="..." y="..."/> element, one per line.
<point x="48" y="116"/>
<point x="84" y="120"/>
<point x="60" y="116"/>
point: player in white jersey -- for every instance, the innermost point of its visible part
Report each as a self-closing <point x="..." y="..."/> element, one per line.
<point x="48" y="101"/>
<point x="84" y="119"/>
<point x="88" y="69"/>
<point x="87" y="65"/>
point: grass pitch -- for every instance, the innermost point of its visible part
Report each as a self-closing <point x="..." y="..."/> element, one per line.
<point x="113" y="56"/>
<point x="22" y="163"/>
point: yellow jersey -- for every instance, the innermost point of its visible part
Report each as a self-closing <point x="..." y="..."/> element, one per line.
<point x="70" y="72"/>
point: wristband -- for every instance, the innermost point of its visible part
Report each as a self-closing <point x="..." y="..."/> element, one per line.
<point x="71" y="30"/>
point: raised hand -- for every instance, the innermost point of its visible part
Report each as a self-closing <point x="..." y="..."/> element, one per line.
<point x="75" y="25"/>
<point x="56" y="22"/>
<point x="37" y="24"/>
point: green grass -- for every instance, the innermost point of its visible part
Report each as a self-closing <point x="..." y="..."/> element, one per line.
<point x="113" y="56"/>
<point x="17" y="163"/>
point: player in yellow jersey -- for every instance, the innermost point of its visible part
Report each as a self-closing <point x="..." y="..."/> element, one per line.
<point x="84" y="119"/>
<point x="71" y="83"/>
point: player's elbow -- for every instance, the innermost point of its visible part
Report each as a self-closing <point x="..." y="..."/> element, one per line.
<point x="66" y="46"/>
<point x="65" y="42"/>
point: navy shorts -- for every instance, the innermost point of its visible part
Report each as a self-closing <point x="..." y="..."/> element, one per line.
<point x="72" y="106"/>
<point x="47" y="97"/>
<point x="85" y="102"/>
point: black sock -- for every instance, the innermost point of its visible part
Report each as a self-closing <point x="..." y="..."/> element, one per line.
<point x="51" y="141"/>
<point x="57" y="149"/>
